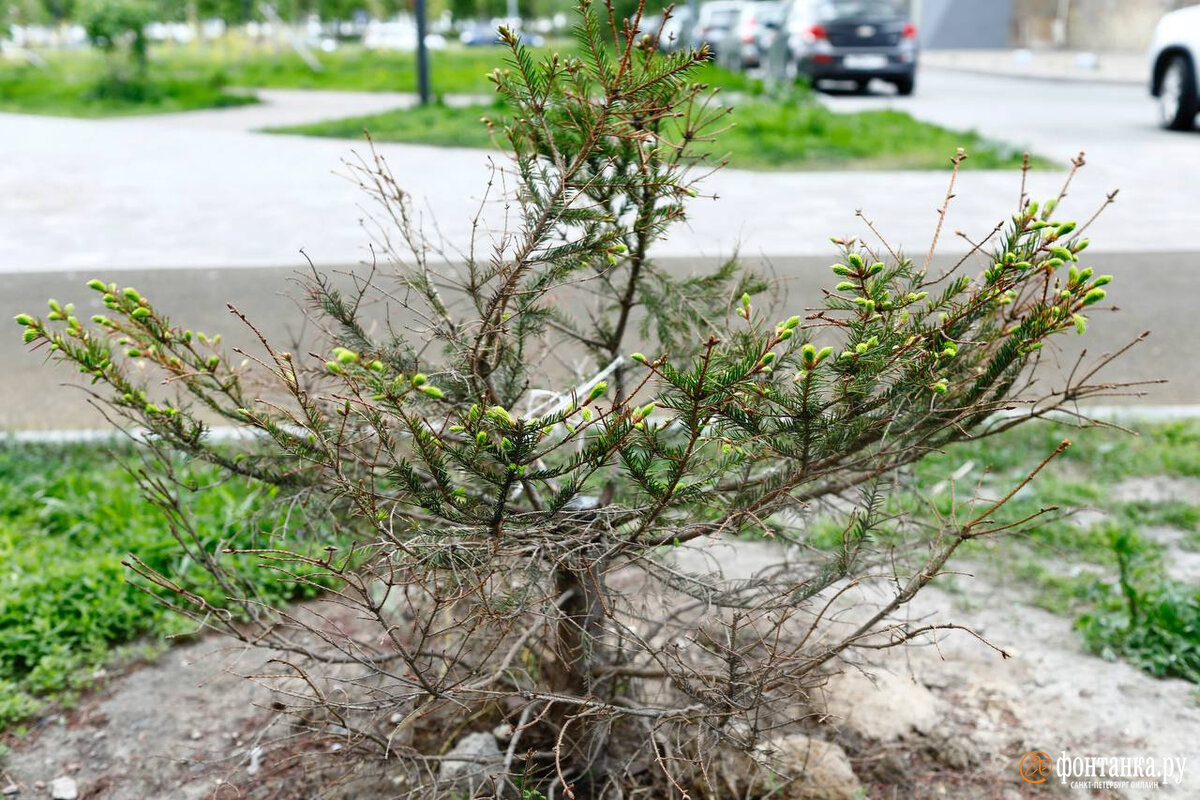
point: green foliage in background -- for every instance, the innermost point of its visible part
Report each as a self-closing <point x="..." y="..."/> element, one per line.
<point x="240" y="11"/>
<point x="186" y="77"/>
<point x="88" y="83"/>
<point x="797" y="133"/>
<point x="114" y="26"/>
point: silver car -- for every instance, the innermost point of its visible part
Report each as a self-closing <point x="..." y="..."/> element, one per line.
<point x="751" y="37"/>
<point x="715" y="24"/>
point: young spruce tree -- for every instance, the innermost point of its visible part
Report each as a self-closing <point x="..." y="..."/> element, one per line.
<point x="520" y="547"/>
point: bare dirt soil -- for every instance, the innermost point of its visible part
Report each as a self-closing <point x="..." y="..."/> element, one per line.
<point x="950" y="719"/>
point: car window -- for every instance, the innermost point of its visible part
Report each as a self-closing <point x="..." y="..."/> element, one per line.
<point x="830" y="10"/>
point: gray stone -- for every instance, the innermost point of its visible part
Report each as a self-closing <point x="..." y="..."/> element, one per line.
<point x="481" y="762"/>
<point x="884" y="707"/>
<point x="819" y="770"/>
<point x="794" y="767"/>
<point x="64" y="788"/>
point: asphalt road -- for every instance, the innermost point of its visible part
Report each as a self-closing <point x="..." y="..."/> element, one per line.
<point x="196" y="211"/>
<point x="1152" y="292"/>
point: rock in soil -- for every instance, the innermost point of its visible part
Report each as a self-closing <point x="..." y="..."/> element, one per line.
<point x="820" y="770"/>
<point x="482" y="762"/>
<point x="881" y="706"/>
<point x="64" y="788"/>
<point x="795" y="767"/>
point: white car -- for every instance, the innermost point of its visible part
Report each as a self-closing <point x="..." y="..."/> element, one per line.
<point x="1174" y="57"/>
<point x="398" y="35"/>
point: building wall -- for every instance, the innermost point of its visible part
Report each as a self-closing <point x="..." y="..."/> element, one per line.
<point x="1098" y="25"/>
<point x="964" y="24"/>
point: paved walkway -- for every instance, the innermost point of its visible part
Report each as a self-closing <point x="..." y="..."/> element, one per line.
<point x="1055" y="65"/>
<point x="201" y="189"/>
<point x="284" y="107"/>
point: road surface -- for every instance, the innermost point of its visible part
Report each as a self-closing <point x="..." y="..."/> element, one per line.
<point x="197" y="209"/>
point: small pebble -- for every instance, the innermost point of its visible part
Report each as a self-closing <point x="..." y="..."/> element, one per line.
<point x="64" y="788"/>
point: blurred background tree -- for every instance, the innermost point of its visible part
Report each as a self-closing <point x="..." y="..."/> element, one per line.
<point x="118" y="29"/>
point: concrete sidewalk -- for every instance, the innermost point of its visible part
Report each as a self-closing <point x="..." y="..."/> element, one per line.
<point x="1055" y="65"/>
<point x="203" y="190"/>
<point x="200" y="190"/>
<point x="278" y="108"/>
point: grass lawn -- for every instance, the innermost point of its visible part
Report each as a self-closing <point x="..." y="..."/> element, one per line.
<point x="68" y="516"/>
<point x="1115" y="554"/>
<point x="187" y="77"/>
<point x="455" y="70"/>
<point x="768" y="134"/>
<point x="793" y="134"/>
<point x="71" y="85"/>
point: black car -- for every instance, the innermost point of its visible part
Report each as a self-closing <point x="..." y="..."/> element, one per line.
<point x="847" y="40"/>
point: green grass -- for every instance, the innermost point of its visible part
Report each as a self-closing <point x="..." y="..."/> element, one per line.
<point x="455" y="70"/>
<point x="1147" y="618"/>
<point x="1087" y="572"/>
<point x="1124" y="603"/>
<point x="73" y="85"/>
<point x="766" y="135"/>
<point x="437" y="124"/>
<point x="68" y="516"/>
<point x="803" y="134"/>
<point x="1107" y="456"/>
<point x="196" y="76"/>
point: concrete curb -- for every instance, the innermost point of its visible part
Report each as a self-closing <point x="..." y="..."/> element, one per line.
<point x="1148" y="413"/>
<point x="1026" y="76"/>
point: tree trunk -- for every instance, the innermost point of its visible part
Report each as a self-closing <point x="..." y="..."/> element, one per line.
<point x="578" y="651"/>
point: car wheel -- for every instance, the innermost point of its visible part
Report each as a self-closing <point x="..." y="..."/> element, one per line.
<point x="905" y="86"/>
<point x="1177" y="95"/>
